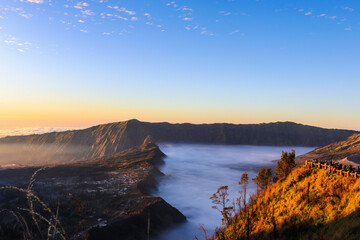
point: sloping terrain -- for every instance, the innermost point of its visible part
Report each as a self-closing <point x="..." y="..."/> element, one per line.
<point x="311" y="203"/>
<point x="335" y="151"/>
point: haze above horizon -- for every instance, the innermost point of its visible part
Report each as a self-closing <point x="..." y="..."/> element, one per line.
<point x="74" y="64"/>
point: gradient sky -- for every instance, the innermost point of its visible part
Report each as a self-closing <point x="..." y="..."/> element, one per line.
<point x="70" y="63"/>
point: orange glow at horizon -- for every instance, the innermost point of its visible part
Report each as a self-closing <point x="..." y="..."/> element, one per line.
<point x="86" y="116"/>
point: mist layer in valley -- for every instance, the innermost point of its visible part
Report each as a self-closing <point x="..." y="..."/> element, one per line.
<point x="193" y="172"/>
<point x="22" y="155"/>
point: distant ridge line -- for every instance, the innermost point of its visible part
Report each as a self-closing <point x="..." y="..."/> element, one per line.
<point x="134" y="132"/>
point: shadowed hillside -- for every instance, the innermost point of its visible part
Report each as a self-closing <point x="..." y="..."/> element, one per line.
<point x="104" y="140"/>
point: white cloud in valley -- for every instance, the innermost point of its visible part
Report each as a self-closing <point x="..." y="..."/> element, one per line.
<point x="31" y="131"/>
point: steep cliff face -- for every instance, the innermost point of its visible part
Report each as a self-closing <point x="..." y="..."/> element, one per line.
<point x="335" y="151"/>
<point x="107" y="139"/>
<point x="91" y="143"/>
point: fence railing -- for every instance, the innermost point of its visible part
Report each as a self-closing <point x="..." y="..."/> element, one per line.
<point x="332" y="169"/>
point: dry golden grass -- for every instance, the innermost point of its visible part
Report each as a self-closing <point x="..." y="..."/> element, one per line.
<point x="308" y="204"/>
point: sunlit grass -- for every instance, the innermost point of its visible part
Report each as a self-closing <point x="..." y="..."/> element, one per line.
<point x="308" y="202"/>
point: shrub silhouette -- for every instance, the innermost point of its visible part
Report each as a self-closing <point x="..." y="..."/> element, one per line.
<point x="221" y="200"/>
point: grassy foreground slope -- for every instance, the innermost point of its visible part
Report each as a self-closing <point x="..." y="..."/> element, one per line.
<point x="308" y="204"/>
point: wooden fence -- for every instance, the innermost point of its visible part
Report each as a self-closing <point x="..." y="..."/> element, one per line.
<point x="332" y="169"/>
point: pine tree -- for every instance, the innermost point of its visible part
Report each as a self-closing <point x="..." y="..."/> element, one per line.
<point x="286" y="164"/>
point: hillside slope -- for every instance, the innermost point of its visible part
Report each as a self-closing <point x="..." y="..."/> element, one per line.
<point x="310" y="203"/>
<point x="104" y="140"/>
<point x="335" y="151"/>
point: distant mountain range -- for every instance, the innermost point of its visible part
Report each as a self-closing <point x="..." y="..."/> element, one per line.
<point x="106" y="139"/>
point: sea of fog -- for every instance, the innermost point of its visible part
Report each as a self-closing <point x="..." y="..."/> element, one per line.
<point x="195" y="171"/>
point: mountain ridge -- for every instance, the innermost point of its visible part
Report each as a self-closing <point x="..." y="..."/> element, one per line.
<point x="107" y="139"/>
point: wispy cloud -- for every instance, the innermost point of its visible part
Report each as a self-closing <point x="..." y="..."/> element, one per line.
<point x="348" y="9"/>
<point x="186" y="14"/>
<point x="81" y="5"/>
<point x="87" y="12"/>
<point x="29" y="15"/>
<point x="172" y="4"/>
<point x="225" y="13"/>
<point x="15" y="44"/>
<point x="122" y="9"/>
<point x="34" y="1"/>
<point x="237" y="32"/>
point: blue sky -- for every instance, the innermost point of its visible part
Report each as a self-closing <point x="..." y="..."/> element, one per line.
<point x="70" y="63"/>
